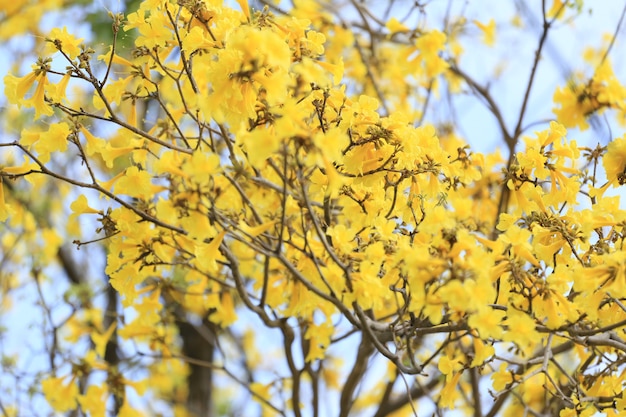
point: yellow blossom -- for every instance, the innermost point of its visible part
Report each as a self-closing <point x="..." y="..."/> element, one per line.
<point x="614" y="161"/>
<point x="487" y="322"/>
<point x="81" y="205"/>
<point x="502" y="378"/>
<point x="61" y="40"/>
<point x="5" y="209"/>
<point x="100" y="340"/>
<point x="137" y="183"/>
<point x="429" y="47"/>
<point x="450" y="393"/>
<point x="60" y="394"/>
<point x="94" y="400"/>
<point x="395" y="26"/>
<point x="556" y="11"/>
<point x="38" y="99"/>
<point x="224" y="314"/>
<point x="489" y="31"/>
<point x="53" y="140"/>
<point x="57" y="93"/>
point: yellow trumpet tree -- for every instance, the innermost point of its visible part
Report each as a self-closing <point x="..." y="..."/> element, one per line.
<point x="271" y="202"/>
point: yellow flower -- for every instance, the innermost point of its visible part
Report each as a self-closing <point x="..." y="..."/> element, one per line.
<point x="110" y="154"/>
<point x="448" y="365"/>
<point x="15" y="88"/>
<point x="482" y="352"/>
<point x="336" y="70"/>
<point x="5" y="209"/>
<point x="100" y="340"/>
<point x="116" y="59"/>
<point x="489" y="32"/>
<point x="94" y="401"/>
<point x="259" y="144"/>
<point x="314" y="43"/>
<point x="521" y="331"/>
<point x="113" y="90"/>
<point x="487" y="322"/>
<point x="245" y="8"/>
<point x="502" y="378"/>
<point x="61" y="40"/>
<point x="431" y="43"/>
<point x="614" y="161"/>
<point x="225" y="313"/>
<point x="533" y="159"/>
<point x="519" y="240"/>
<point x="260" y="391"/>
<point x="52" y="243"/>
<point x="21" y="169"/>
<point x="556" y="11"/>
<point x="54" y="140"/>
<point x="208" y="253"/>
<point x="60" y="395"/>
<point x="136" y="183"/>
<point x="57" y="94"/>
<point x="319" y="336"/>
<point x="575" y="105"/>
<point x="196" y="39"/>
<point x="128" y="411"/>
<point x="429" y="47"/>
<point x="256" y="230"/>
<point x="154" y="32"/>
<point x="449" y="393"/>
<point x="38" y="99"/>
<point x="394" y="26"/>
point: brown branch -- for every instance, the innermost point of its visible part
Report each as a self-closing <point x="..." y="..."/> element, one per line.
<point x="417" y="391"/>
<point x="365" y="351"/>
<point x="476" y="391"/>
<point x="43" y="170"/>
<point x="533" y="72"/>
<point x="491" y="104"/>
